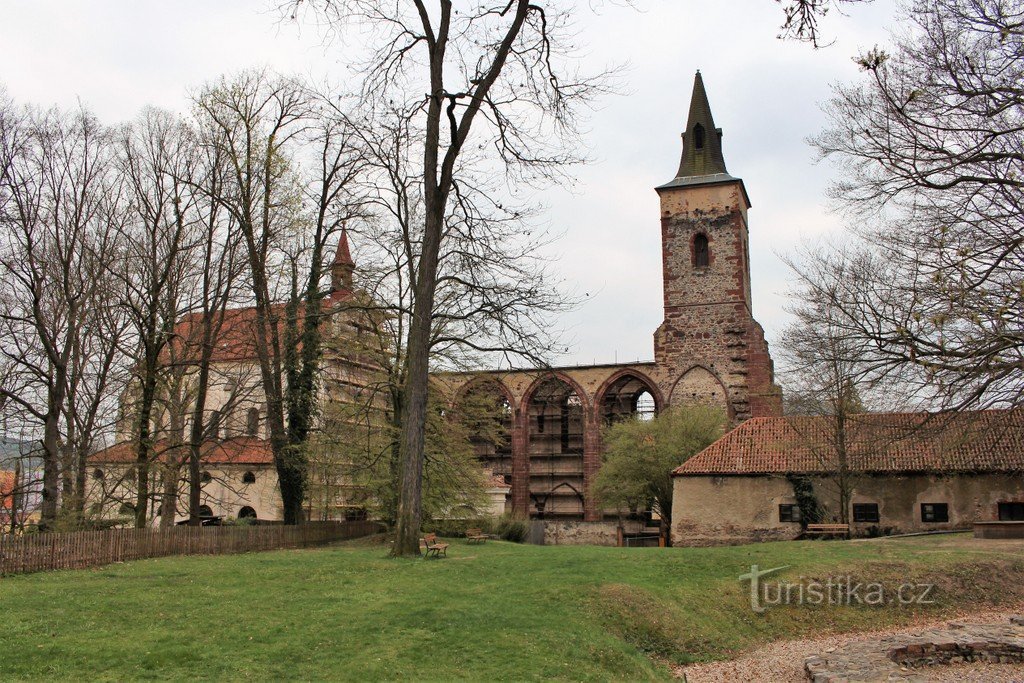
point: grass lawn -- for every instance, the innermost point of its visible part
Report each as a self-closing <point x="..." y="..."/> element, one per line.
<point x="496" y="611"/>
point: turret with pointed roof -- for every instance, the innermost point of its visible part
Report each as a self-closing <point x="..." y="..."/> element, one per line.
<point x="343" y="266"/>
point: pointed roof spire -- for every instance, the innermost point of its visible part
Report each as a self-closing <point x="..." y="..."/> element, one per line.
<point x="702" y="141"/>
<point x="343" y="257"/>
<point x="343" y="266"/>
<point x="702" y="162"/>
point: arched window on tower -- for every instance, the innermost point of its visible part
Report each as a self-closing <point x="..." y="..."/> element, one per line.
<point x="252" y="422"/>
<point x="698" y="137"/>
<point x="701" y="254"/>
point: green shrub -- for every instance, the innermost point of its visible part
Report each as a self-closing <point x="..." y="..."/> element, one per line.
<point x="512" y="528"/>
<point x="456" y="528"/>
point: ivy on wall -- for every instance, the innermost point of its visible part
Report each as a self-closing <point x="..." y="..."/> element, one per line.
<point x="810" y="509"/>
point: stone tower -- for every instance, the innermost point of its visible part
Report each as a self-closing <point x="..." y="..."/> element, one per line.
<point x="709" y="343"/>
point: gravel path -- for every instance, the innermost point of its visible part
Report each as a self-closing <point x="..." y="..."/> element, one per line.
<point x="783" y="661"/>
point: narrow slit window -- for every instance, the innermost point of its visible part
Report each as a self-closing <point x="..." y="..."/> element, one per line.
<point x="698" y="136"/>
<point x="701" y="255"/>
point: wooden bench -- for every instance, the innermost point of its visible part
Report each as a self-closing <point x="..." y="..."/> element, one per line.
<point x="429" y="544"/>
<point x="828" y="529"/>
<point x="476" y="536"/>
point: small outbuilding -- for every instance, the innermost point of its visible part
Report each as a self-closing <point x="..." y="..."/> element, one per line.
<point x="896" y="472"/>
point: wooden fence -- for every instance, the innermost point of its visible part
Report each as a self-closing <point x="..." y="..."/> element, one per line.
<point x="80" y="549"/>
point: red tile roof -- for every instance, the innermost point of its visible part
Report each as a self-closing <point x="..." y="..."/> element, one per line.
<point x="974" y="441"/>
<point x="237" y="338"/>
<point x="242" y="450"/>
<point x="497" y="482"/>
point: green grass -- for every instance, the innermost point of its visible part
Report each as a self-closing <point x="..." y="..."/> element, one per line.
<point x="497" y="611"/>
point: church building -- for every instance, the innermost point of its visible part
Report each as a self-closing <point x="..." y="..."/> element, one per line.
<point x="709" y="350"/>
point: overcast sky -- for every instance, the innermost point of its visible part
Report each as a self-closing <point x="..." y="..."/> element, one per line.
<point x="118" y="55"/>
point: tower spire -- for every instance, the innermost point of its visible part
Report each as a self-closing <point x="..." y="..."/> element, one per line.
<point x="343" y="266"/>
<point x="702" y="141"/>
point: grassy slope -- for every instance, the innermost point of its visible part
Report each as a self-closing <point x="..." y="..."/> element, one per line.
<point x="493" y="611"/>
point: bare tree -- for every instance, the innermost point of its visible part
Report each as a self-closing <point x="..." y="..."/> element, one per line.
<point x="930" y="143"/>
<point x="156" y="161"/>
<point x="290" y="174"/>
<point x="803" y="17"/>
<point x="495" y="80"/>
<point x="59" y="200"/>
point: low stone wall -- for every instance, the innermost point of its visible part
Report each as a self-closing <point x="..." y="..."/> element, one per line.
<point x="570" y="532"/>
<point x="705" y="535"/>
<point x="999" y="529"/>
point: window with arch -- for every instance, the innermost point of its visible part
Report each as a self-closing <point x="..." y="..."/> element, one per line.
<point x="701" y="252"/>
<point x="213" y="426"/>
<point x="98" y="474"/>
<point x="252" y="421"/>
<point x="698" y="136"/>
<point x="205" y="511"/>
<point x="247" y="512"/>
<point x="249" y="478"/>
<point x="206" y="477"/>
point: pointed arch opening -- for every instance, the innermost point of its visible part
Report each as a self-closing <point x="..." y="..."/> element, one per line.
<point x="627" y="397"/>
<point x="486" y="412"/>
<point x="555" y="448"/>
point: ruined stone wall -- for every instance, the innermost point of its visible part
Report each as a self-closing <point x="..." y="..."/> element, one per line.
<point x="708" y="320"/>
<point x="568" y="532"/>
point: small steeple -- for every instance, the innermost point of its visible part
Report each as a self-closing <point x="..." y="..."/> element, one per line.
<point x="702" y="162"/>
<point x="343" y="266"/>
<point x="702" y="141"/>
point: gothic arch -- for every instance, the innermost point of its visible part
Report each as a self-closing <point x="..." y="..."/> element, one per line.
<point x="630" y="384"/>
<point x="556" y="415"/>
<point x="562" y="377"/>
<point x="485" y="407"/>
<point x="480" y="382"/>
<point x="700" y="385"/>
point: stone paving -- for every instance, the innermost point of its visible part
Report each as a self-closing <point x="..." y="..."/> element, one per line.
<point x="907" y="656"/>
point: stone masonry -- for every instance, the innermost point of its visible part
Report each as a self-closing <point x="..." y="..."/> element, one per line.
<point x="709" y="349"/>
<point x="906" y="657"/>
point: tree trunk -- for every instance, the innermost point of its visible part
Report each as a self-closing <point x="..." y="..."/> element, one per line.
<point x="144" y="448"/>
<point x="417" y="378"/>
<point x="51" y="468"/>
<point x="169" y="502"/>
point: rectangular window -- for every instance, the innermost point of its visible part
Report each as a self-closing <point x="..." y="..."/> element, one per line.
<point x="1011" y="512"/>
<point x="789" y="513"/>
<point x="934" y="512"/>
<point x="865" y="512"/>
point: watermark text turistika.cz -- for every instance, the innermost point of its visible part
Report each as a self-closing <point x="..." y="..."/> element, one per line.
<point x="835" y="590"/>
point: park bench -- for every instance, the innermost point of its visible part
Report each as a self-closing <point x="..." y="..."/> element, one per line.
<point x="828" y="529"/>
<point x="429" y="544"/>
<point x="476" y="535"/>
